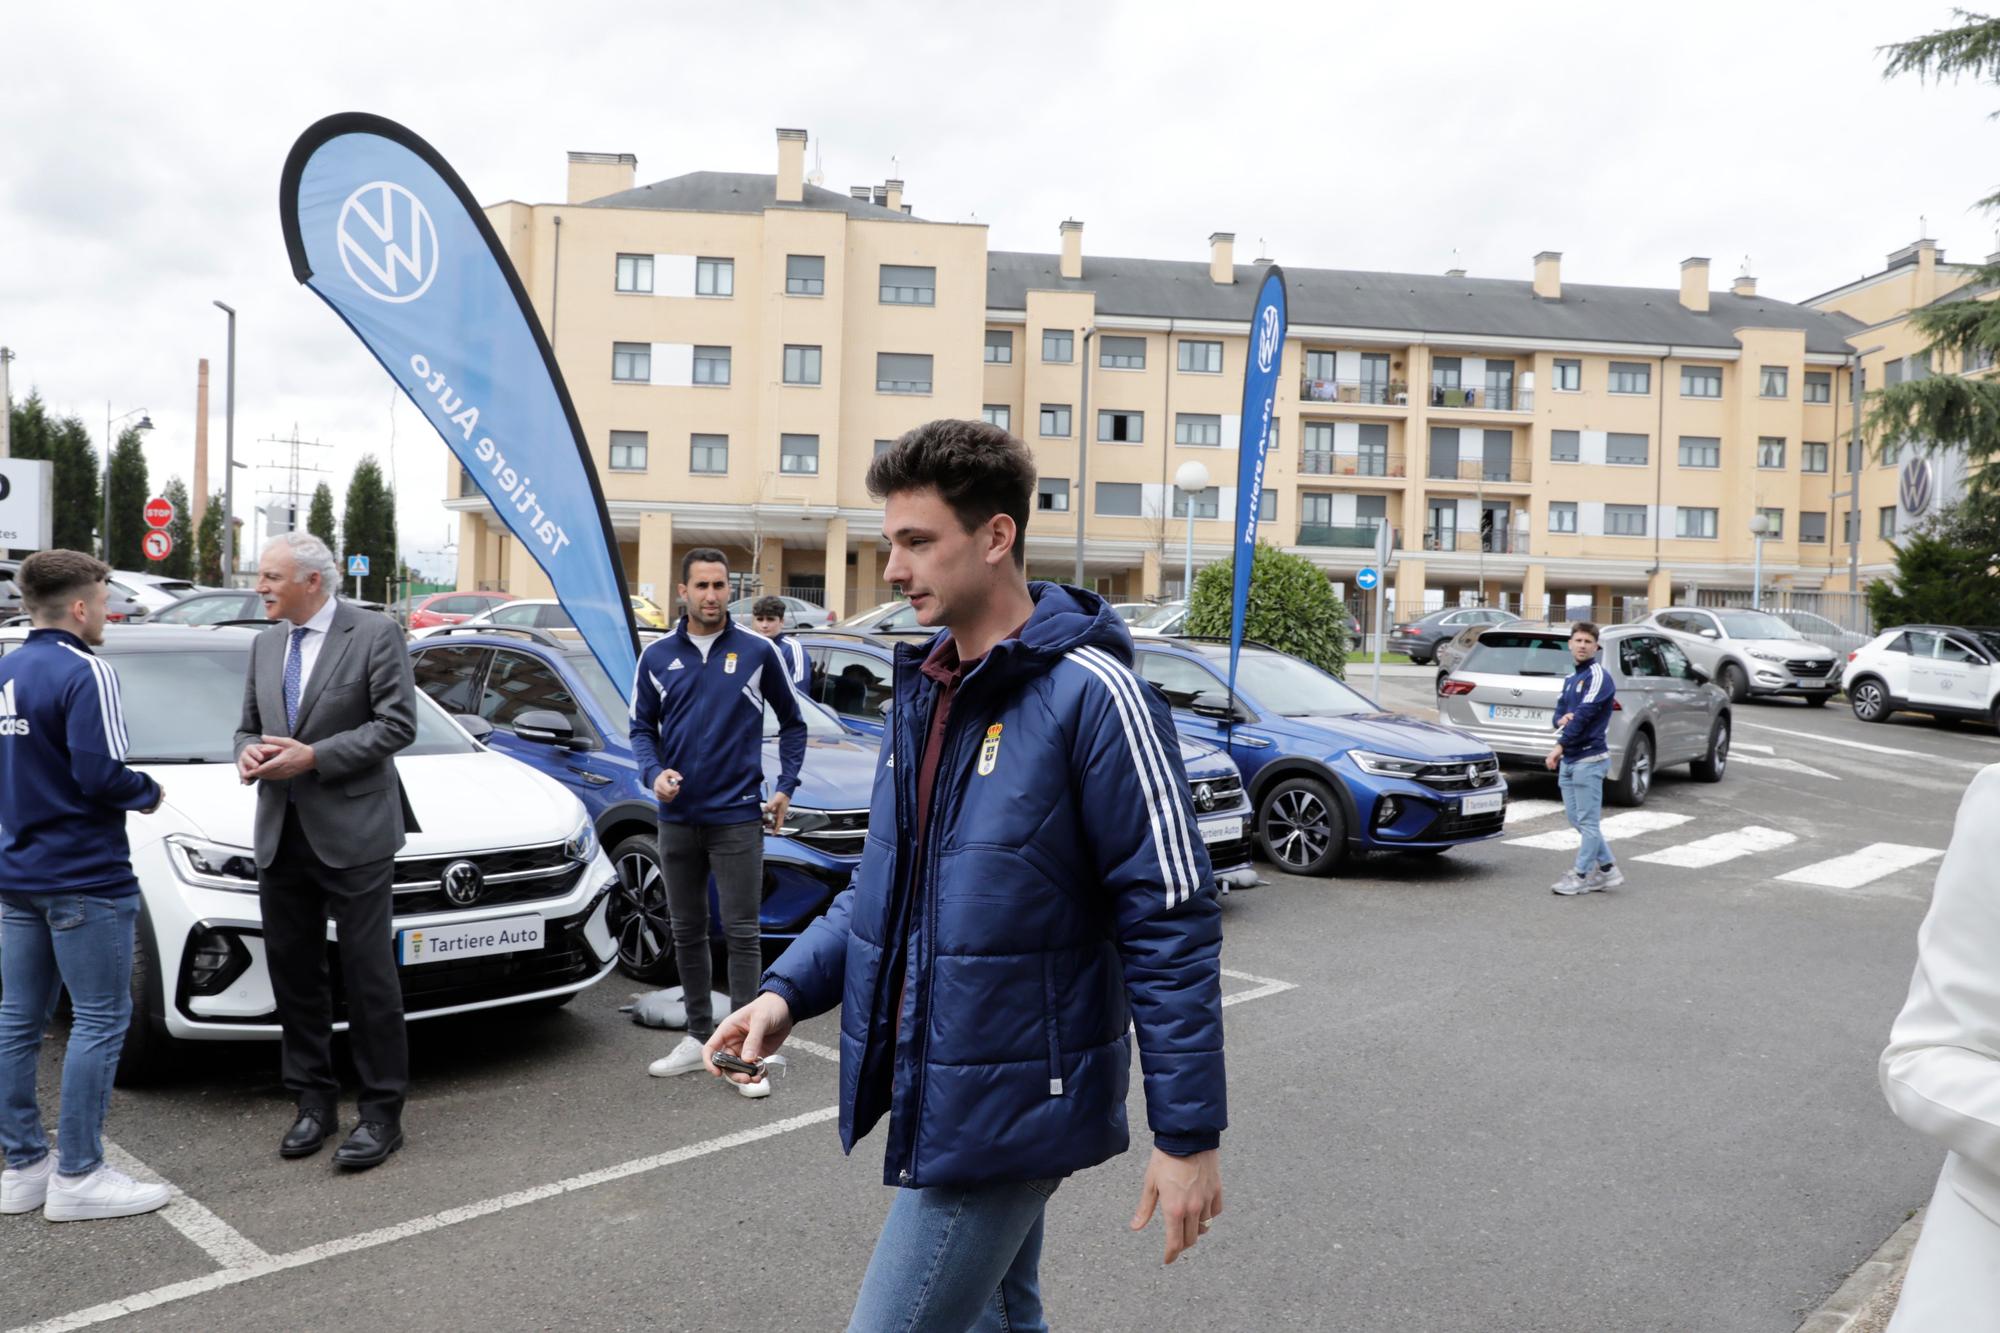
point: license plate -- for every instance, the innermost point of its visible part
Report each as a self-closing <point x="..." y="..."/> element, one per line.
<point x="468" y="939"/>
<point x="1222" y="830"/>
<point x="1517" y="713"/>
<point x="1482" y="803"/>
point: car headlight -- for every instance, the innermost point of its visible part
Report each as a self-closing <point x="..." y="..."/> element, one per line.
<point x="803" y="821"/>
<point x="1763" y="655"/>
<point x="212" y="865"/>
<point x="1386" y="765"/>
<point x="582" y="844"/>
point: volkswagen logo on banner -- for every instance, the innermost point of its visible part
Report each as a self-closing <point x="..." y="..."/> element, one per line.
<point x="1916" y="485"/>
<point x="388" y="243"/>
<point x="463" y="883"/>
<point x="1267" y="339"/>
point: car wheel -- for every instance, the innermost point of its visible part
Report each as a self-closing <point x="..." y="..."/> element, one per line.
<point x="638" y="915"/>
<point x="1300" y="828"/>
<point x="1869" y="700"/>
<point x="1633" y="785"/>
<point x="1735" y="682"/>
<point x="1709" y="768"/>
<point x="1443" y="676"/>
<point x="1817" y="700"/>
<point x="149" y="1054"/>
<point x="1418" y="657"/>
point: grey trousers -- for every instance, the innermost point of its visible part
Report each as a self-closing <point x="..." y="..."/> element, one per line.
<point x="735" y="855"/>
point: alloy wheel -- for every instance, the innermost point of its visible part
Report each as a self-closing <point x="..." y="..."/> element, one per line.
<point x="1298" y="828"/>
<point x="638" y="912"/>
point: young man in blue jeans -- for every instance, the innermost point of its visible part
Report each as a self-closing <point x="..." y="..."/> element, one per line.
<point x="68" y="898"/>
<point x="1581" y="758"/>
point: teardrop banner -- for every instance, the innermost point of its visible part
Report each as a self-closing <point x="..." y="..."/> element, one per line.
<point x="1260" y="391"/>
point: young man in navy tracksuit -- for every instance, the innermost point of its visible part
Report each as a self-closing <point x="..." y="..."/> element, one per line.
<point x="768" y="618"/>
<point x="68" y="899"/>
<point x="1033" y="887"/>
<point x="698" y="734"/>
<point x="1582" y="758"/>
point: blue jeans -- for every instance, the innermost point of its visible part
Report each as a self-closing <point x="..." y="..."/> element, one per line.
<point x="49" y="940"/>
<point x="958" y="1260"/>
<point x="1582" y="786"/>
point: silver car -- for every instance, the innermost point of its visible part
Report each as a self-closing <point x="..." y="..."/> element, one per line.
<point x="1751" y="652"/>
<point x="1666" y="711"/>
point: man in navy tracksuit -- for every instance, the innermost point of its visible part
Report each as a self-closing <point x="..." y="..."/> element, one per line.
<point x="1582" y="758"/>
<point x="1033" y="885"/>
<point x="698" y="734"/>
<point x="68" y="899"/>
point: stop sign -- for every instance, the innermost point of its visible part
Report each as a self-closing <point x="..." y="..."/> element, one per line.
<point x="158" y="512"/>
<point x="157" y="545"/>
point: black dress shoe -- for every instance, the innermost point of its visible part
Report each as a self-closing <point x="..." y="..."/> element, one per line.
<point x="369" y="1145"/>
<point x="308" y="1133"/>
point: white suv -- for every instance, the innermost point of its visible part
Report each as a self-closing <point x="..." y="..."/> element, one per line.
<point x="505" y="870"/>
<point x="1943" y="670"/>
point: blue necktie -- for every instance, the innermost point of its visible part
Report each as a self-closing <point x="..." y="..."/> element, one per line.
<point x="294" y="674"/>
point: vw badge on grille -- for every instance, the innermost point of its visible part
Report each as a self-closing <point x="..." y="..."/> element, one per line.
<point x="1472" y="775"/>
<point x="463" y="883"/>
<point x="1204" y="797"/>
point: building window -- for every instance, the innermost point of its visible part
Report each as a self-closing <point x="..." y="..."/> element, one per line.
<point x="1889" y="453"/>
<point x="1562" y="516"/>
<point x="708" y="453"/>
<point x="1201" y="358"/>
<point x="1569" y="376"/>
<point x="902" y="372"/>
<point x="999" y="347"/>
<point x="798" y="454"/>
<point x="1812" y="527"/>
<point x="909" y="284"/>
<point x="1052" y="495"/>
<point x="1698" y="523"/>
<point x="1055" y="420"/>
<point x="1207" y="503"/>
<point x="801" y="365"/>
<point x="1626" y="449"/>
<point x="1445" y="372"/>
<point x="1774" y="382"/>
<point x="998" y="414"/>
<point x="1624" y="520"/>
<point x="1776" y="519"/>
<point x="1819" y="386"/>
<point x="1197" y="427"/>
<point x="1701" y="381"/>
<point x="711" y="365"/>
<point x="1059" y="345"/>
<point x="1770" y="451"/>
<point x="628" y="451"/>
<point x="1812" y="457"/>
<point x="715" y="277"/>
<point x="632" y="363"/>
<point x="1976" y="360"/>
<point x="1371" y="458"/>
<point x="805" y="275"/>
<point x="1121" y="353"/>
<point x="1631" y="377"/>
<point x="1118" y="499"/>
<point x="1320" y="365"/>
<point x="1565" y="446"/>
<point x="1267" y="506"/>
<point x="1315" y="509"/>
<point x="882" y="447"/>
<point x="1701" y="451"/>
<point x="1885" y="522"/>
<point x="1116" y="427"/>
<point x="635" y="273"/>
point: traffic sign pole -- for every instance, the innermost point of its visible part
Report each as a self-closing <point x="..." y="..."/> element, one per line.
<point x="1384" y="553"/>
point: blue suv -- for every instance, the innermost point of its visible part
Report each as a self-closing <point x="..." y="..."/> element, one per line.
<point x="1330" y="771"/>
<point x="548" y="703"/>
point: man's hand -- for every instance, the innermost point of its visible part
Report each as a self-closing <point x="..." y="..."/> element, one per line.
<point x="1187" y="1190"/>
<point x="1565" y="720"/>
<point x="756" y="1030"/>
<point x="667" y="786"/>
<point x="287" y="758"/>
<point x="775" y="811"/>
<point x="1552" y="758"/>
<point x="254" y="754"/>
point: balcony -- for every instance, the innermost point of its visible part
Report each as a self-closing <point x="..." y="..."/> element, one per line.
<point x="1326" y="463"/>
<point x="1487" y="398"/>
<point x="1500" y="541"/>
<point x="1514" y="469"/>
<point x="1380" y="393"/>
<point x="1351" y="536"/>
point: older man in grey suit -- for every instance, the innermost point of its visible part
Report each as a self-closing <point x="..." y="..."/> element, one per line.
<point x="329" y="701"/>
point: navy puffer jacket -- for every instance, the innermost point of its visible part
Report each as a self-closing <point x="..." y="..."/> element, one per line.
<point x="1065" y="898"/>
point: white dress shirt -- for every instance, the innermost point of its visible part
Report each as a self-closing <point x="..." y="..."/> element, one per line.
<point x="316" y="630"/>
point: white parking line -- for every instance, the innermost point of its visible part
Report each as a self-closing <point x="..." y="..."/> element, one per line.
<point x="1782" y="765"/>
<point x="1714" y="850"/>
<point x="1265" y="986"/>
<point x="1866" y="745"/>
<point x="1859" y="869"/>
<point x="1630" y="824"/>
<point x="1520" y="812"/>
<point x="217" y="1239"/>
<point x="1758" y="749"/>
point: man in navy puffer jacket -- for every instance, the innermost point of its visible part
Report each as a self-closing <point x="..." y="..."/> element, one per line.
<point x="1034" y="883"/>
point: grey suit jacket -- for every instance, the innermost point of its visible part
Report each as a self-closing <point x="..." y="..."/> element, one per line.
<point x="358" y="709"/>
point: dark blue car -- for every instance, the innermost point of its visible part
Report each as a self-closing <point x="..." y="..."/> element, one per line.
<point x="1330" y="771"/>
<point x="546" y="701"/>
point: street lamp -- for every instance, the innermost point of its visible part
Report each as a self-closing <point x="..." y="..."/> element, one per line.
<point x="145" y="423"/>
<point x="1191" y="477"/>
<point x="1760" y="527"/>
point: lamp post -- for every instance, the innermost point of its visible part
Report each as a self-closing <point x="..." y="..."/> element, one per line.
<point x="1191" y="477"/>
<point x="1759" y="528"/>
<point x="228" y="552"/>
<point x="145" y="423"/>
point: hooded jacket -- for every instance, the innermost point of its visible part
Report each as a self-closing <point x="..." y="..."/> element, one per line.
<point x="1586" y="701"/>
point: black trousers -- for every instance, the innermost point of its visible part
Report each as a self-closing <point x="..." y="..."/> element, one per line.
<point x="299" y="892"/>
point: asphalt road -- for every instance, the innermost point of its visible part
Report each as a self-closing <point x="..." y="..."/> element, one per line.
<point x="1478" y="1106"/>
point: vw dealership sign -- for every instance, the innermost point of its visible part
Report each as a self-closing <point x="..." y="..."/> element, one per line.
<point x="27" y="497"/>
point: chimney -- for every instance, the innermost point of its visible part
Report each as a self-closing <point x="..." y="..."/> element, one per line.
<point x="199" y="500"/>
<point x="1072" y="249"/>
<point x="1694" y="284"/>
<point x="791" y="166"/>
<point x="892" y="192"/>
<point x="1745" y="285"/>
<point x="1548" y="275"/>
<point x="1454" y="273"/>
<point x="594" y="175"/>
<point x="862" y="192"/>
<point x="1222" y="257"/>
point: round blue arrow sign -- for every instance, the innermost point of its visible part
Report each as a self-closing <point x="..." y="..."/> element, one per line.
<point x="1367" y="579"/>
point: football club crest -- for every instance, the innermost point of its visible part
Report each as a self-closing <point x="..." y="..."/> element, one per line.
<point x="989" y="751"/>
<point x="729" y="665"/>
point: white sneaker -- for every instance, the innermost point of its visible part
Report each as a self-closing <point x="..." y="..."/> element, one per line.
<point x="682" y="1059"/>
<point x="761" y="1088"/>
<point x="1601" y="878"/>
<point x="22" y="1189"/>
<point x="102" y="1193"/>
<point x="1571" y="884"/>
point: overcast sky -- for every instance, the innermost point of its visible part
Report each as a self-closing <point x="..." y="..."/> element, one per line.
<point x="142" y="143"/>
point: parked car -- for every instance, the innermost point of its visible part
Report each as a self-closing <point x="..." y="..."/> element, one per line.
<point x="546" y="613"/>
<point x="1826" y="633"/>
<point x="799" y="613"/>
<point x="897" y="617"/>
<point x="1330" y="772"/>
<point x="451" y="608"/>
<point x="552" y="706"/>
<point x="198" y="970"/>
<point x="1131" y="611"/>
<point x="122" y="606"/>
<point x="1452" y="651"/>
<point x="1163" y="620"/>
<point x="1418" y="640"/>
<point x="1666" y="712"/>
<point x="210" y="608"/>
<point x="1947" y="671"/>
<point x="155" y="592"/>
<point x="1750" y="652"/>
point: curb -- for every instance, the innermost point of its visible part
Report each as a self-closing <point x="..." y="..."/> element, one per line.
<point x="1868" y="1297"/>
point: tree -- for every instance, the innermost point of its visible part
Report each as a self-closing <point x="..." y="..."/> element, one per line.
<point x="66" y="444"/>
<point x="1292" y="607"/>
<point x="208" y="543"/>
<point x="369" y="524"/>
<point x="1937" y="582"/>
<point x="130" y="490"/>
<point x="179" y="563"/>
<point x="319" y="520"/>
